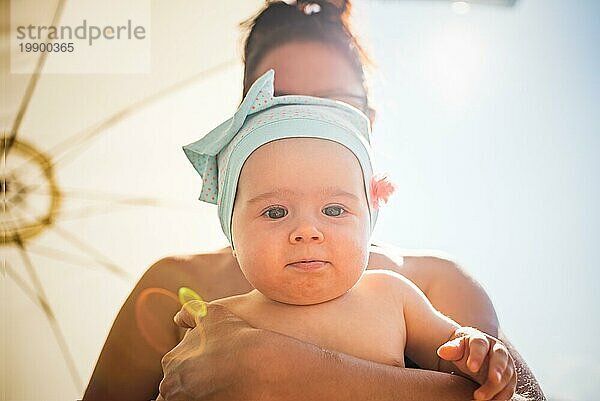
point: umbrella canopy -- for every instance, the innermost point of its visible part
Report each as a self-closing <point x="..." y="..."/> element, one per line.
<point x="96" y="185"/>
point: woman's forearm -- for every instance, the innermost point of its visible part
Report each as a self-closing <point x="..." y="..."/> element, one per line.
<point x="527" y="385"/>
<point x="291" y="370"/>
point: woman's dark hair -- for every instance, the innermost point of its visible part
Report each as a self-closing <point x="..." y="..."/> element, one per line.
<point x="321" y="21"/>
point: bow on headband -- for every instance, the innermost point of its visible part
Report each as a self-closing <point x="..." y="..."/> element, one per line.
<point x="203" y="153"/>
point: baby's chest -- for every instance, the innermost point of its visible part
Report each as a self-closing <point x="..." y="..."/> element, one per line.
<point x="362" y="328"/>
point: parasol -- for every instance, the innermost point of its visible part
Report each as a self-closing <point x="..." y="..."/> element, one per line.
<point x="95" y="185"/>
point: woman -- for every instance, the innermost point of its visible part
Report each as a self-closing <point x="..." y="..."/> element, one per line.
<point x="313" y="53"/>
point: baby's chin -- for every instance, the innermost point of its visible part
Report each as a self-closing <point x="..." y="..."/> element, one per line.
<point x="306" y="299"/>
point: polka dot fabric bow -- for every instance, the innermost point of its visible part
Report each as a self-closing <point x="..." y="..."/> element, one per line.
<point x="203" y="153"/>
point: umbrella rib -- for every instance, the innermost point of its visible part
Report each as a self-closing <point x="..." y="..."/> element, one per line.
<point x="133" y="108"/>
<point x="49" y="314"/>
<point x="23" y="212"/>
<point x="101" y="259"/>
<point x="91" y="210"/>
<point x="60" y="255"/>
<point x="15" y="222"/>
<point x="81" y="138"/>
<point x="31" y="85"/>
<point x="112" y="204"/>
<point x="114" y="198"/>
<point x="23" y="285"/>
<point x="99" y="196"/>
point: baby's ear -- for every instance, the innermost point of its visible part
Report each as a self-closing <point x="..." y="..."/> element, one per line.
<point x="381" y="189"/>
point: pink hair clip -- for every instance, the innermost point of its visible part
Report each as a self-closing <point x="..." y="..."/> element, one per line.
<point x="381" y="189"/>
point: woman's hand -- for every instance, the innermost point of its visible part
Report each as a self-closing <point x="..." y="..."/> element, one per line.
<point x="483" y="358"/>
<point x="209" y="361"/>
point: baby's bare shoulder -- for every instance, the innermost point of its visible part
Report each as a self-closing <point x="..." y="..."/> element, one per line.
<point x="389" y="284"/>
<point x="382" y="279"/>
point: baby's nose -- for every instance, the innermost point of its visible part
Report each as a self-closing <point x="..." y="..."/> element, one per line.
<point x="305" y="234"/>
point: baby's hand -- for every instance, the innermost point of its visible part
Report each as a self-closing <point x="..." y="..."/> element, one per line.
<point x="483" y="358"/>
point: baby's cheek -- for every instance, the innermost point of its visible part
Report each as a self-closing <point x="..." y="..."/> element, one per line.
<point x="359" y="235"/>
<point x="255" y="272"/>
<point x="355" y="251"/>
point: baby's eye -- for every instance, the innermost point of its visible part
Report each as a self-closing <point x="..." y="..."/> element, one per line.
<point x="333" y="211"/>
<point x="276" y="212"/>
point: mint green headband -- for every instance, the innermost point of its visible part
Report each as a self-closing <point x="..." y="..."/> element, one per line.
<point x="261" y="118"/>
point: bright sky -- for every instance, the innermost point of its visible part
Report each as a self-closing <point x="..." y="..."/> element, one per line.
<point x="488" y="123"/>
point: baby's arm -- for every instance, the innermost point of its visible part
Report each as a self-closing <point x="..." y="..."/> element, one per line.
<point x="429" y="334"/>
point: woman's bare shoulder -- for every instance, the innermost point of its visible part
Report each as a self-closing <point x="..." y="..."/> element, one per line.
<point x="418" y="265"/>
<point x="405" y="256"/>
<point x="212" y="274"/>
<point x="219" y="256"/>
<point x="448" y="287"/>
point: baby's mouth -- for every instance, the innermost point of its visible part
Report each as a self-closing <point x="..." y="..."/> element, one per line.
<point x="308" y="265"/>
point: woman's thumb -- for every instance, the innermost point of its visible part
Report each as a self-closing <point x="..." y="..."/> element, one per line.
<point x="452" y="350"/>
<point x="186" y="317"/>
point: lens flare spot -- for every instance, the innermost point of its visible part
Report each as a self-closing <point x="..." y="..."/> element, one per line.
<point x="194" y="308"/>
<point x="150" y="326"/>
<point x="461" y="7"/>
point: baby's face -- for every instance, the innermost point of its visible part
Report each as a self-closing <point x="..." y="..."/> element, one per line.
<point x="301" y="222"/>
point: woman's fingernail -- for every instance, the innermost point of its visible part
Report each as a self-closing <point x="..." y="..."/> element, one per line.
<point x="498" y="377"/>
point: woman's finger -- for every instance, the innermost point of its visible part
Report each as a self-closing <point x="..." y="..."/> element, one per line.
<point x="508" y="392"/>
<point x="496" y="390"/>
<point x="479" y="346"/>
<point x="452" y="350"/>
<point x="498" y="362"/>
<point x="185" y="317"/>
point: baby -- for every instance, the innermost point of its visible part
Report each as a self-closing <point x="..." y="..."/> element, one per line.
<point x="297" y="199"/>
